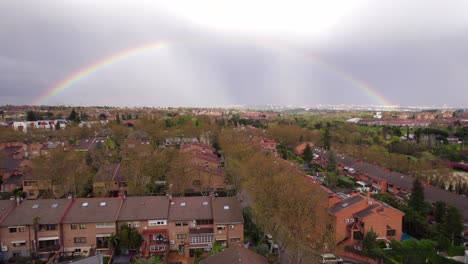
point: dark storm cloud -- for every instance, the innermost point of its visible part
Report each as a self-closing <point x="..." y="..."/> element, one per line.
<point x="411" y="52"/>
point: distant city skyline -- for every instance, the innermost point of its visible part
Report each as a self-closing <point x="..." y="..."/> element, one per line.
<point x="222" y="53"/>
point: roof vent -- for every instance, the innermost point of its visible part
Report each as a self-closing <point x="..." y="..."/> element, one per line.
<point x="182" y="204"/>
<point x="344" y="205"/>
<point x="85" y="204"/>
<point x="35" y="206"/>
<point x="102" y="204"/>
<point x="55" y="205"/>
<point x="226" y="207"/>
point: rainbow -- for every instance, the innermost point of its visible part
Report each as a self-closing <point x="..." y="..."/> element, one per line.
<point x="366" y="88"/>
<point x="90" y="69"/>
<point x="370" y="91"/>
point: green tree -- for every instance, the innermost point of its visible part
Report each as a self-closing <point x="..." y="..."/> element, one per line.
<point x="327" y="138"/>
<point x="31" y="116"/>
<point x="217" y="247"/>
<point x="117" y="119"/>
<point x="416" y="200"/>
<point x="370" y="245"/>
<point x="331" y="162"/>
<point x="73" y="115"/>
<point x="452" y="223"/>
<point x="307" y="154"/>
<point x="439" y="211"/>
<point x="129" y="238"/>
<point x="102" y="117"/>
<point x="113" y="242"/>
<point x="36" y="220"/>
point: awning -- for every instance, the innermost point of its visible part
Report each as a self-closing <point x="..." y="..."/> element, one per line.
<point x="18" y="242"/>
<point x="103" y="235"/>
<point x="47" y="238"/>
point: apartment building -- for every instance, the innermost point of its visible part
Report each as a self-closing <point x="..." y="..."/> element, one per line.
<point x="33" y="226"/>
<point x="149" y="215"/>
<point x="89" y="223"/>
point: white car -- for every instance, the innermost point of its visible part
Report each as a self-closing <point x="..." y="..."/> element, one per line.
<point x="330" y="258"/>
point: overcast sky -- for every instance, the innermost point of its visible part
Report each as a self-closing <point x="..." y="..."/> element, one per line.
<point x="222" y="53"/>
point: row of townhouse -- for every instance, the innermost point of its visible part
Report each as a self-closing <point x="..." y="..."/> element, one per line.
<point x="383" y="180"/>
<point x="83" y="225"/>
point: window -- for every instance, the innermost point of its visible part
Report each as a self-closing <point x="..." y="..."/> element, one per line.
<point x="220" y="227"/>
<point x="157" y="222"/>
<point x="181" y="236"/>
<point x="77" y="250"/>
<point x="234" y="239"/>
<point x="157" y="248"/>
<point x="159" y="237"/>
<point x="231" y="226"/>
<point x="391" y="232"/>
<point x="48" y="227"/>
<point x="80" y="240"/>
<point x="105" y="225"/>
<point x="18" y="229"/>
<point x="181" y="223"/>
<point x="201" y="239"/>
<point x="204" y="222"/>
<point x="74" y="226"/>
<point x="82" y="226"/>
<point x="136" y="224"/>
<point x="18" y="243"/>
<point x="349" y="220"/>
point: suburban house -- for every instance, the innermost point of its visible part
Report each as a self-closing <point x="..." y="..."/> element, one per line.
<point x="110" y="181"/>
<point x="228" y="221"/>
<point x="269" y="145"/>
<point x="89" y="223"/>
<point x="148" y="214"/>
<point x="178" y="141"/>
<point x="191" y="224"/>
<point x="140" y="147"/>
<point x="11" y="166"/>
<point x="383" y="180"/>
<point x="299" y="150"/>
<point x="33" y="226"/>
<point x="236" y="255"/>
<point x="355" y="216"/>
<point x="197" y="222"/>
<point x="33" y="186"/>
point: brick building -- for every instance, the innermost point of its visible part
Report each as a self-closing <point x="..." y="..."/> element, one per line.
<point x="89" y="223"/>
<point x="353" y="217"/>
<point x="148" y="214"/>
<point x="18" y="231"/>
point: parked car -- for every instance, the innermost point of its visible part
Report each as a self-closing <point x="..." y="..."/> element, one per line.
<point x="330" y="258"/>
<point x="274" y="249"/>
<point x="268" y="239"/>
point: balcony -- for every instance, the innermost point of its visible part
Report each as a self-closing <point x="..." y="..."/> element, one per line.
<point x="48" y="248"/>
<point x="158" y="242"/>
